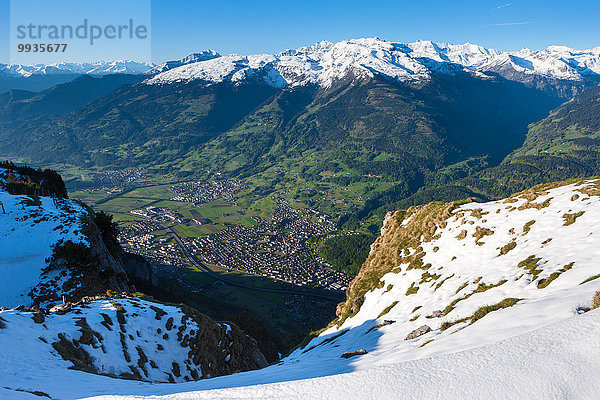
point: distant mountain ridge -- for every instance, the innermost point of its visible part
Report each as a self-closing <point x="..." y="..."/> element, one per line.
<point x="92" y="68"/>
<point x="40" y="77"/>
<point x="324" y="62"/>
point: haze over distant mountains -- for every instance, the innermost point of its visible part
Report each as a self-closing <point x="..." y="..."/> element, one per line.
<point x="92" y="68"/>
<point x="324" y="61"/>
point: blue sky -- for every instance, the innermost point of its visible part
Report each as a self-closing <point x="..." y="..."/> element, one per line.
<point x="263" y="26"/>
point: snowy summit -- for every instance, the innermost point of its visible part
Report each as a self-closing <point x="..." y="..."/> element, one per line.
<point x="323" y="63"/>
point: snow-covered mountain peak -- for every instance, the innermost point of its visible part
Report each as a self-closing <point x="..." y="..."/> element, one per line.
<point x="201" y="56"/>
<point x="467" y="54"/>
<point x="190" y="59"/>
<point x="324" y="62"/>
<point x="318" y="47"/>
<point x="321" y="63"/>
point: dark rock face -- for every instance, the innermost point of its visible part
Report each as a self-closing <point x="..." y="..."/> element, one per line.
<point x="138" y="269"/>
<point x="420" y="331"/>
<point x="242" y="355"/>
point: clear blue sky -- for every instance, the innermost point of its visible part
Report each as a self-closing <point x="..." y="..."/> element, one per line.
<point x="263" y="26"/>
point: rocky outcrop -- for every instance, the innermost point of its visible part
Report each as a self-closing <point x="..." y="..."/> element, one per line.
<point x="349" y="354"/>
<point x="77" y="270"/>
<point x="420" y="331"/>
<point x="176" y="344"/>
<point x="436" y="314"/>
<point x="138" y="269"/>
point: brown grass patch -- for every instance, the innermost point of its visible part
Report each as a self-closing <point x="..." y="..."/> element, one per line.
<point x="596" y="301"/>
<point x="421" y="227"/>
<point x="571" y="218"/>
<point x="507" y="247"/>
<point x="480" y="233"/>
<point x="481" y="312"/>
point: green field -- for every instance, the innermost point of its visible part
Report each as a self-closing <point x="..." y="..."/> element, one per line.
<point x="220" y="213"/>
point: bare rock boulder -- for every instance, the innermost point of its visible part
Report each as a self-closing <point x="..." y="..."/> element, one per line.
<point x="349" y="354"/>
<point x="420" y="331"/>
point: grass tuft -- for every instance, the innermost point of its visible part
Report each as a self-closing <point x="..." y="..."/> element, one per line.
<point x="571" y="218"/>
<point x="527" y="227"/>
<point x="507" y="247"/>
<point x="596" y="301"/>
<point x="546" y="281"/>
<point x="481" y="312"/>
<point x="530" y="265"/>
<point x="591" y="278"/>
<point x="387" y="309"/>
<point x="412" y="289"/>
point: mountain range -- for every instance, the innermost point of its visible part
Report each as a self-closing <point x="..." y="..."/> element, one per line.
<point x="91" y="68"/>
<point x="413" y="122"/>
<point x="43" y="76"/>
<point x="323" y="63"/>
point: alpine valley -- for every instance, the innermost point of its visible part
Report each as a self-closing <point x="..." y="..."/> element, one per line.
<point x="352" y="219"/>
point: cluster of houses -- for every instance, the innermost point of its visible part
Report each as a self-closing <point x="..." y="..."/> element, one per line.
<point x="158" y="214"/>
<point x="277" y="249"/>
<point x="198" y="193"/>
<point x="118" y="178"/>
<point x="138" y="238"/>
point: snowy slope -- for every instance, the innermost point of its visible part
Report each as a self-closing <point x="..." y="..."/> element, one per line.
<point x="28" y="231"/>
<point x="94" y="68"/>
<point x="325" y="62"/>
<point x="439" y="265"/>
<point x="125" y="337"/>
<point x="523" y="248"/>
<point x="517" y="368"/>
<point x="557" y="361"/>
